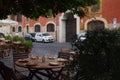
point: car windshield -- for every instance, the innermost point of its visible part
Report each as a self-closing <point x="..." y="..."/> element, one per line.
<point x="46" y="34"/>
<point x="32" y="34"/>
<point x="28" y="35"/>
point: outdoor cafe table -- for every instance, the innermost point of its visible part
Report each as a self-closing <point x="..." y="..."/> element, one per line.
<point x="40" y="66"/>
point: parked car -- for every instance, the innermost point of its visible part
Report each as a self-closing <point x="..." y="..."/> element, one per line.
<point x="30" y="36"/>
<point x="44" y="37"/>
<point x="2" y="36"/>
<point x="81" y="36"/>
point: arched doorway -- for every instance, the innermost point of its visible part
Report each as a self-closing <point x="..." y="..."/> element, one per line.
<point x="69" y="27"/>
<point x="95" y="24"/>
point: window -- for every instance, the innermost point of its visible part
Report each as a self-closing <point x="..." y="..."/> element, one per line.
<point x="19" y="29"/>
<point x="27" y="29"/>
<point x="13" y="29"/>
<point x="50" y="27"/>
<point x="37" y="28"/>
<point x="97" y="7"/>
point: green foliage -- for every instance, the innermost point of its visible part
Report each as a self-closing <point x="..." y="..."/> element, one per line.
<point x="8" y="37"/>
<point x="99" y="57"/>
<point x="28" y="44"/>
<point x="17" y="38"/>
<point x="36" y="8"/>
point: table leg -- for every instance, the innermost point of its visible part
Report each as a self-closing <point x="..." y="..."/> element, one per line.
<point x="59" y="73"/>
<point x="54" y="75"/>
<point x="51" y="74"/>
<point x="33" y="73"/>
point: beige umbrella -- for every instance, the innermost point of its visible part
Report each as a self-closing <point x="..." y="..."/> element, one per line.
<point x="8" y="22"/>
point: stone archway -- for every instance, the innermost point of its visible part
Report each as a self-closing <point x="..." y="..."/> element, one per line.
<point x="69" y="27"/>
<point x="96" y="21"/>
<point x="95" y="24"/>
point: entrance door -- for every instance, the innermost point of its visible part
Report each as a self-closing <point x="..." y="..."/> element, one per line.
<point x="70" y="29"/>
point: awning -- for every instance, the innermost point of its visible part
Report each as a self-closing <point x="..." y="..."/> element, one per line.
<point x="8" y="22"/>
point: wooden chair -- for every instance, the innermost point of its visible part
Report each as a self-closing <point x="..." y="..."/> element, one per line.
<point x="7" y="73"/>
<point x="14" y="48"/>
<point x="15" y="58"/>
<point x="64" y="55"/>
<point x="65" y="49"/>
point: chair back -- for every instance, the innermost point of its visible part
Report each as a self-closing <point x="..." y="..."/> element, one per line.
<point x="6" y="72"/>
<point x="64" y="55"/>
<point x="65" y="49"/>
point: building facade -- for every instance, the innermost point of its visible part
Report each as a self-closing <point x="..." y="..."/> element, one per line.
<point x="103" y="15"/>
<point x="65" y="26"/>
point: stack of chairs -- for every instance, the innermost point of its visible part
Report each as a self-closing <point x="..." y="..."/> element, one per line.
<point x="2" y="51"/>
<point x="19" y="52"/>
<point x="7" y="50"/>
<point x="66" y="54"/>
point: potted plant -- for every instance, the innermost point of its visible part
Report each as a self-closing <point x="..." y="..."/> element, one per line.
<point x="17" y="38"/>
<point x="8" y="38"/>
<point x="28" y="45"/>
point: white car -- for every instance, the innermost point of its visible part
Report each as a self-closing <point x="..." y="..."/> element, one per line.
<point x="44" y="37"/>
<point x="81" y="36"/>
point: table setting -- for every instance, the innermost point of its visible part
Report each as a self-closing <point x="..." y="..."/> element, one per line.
<point x="47" y="63"/>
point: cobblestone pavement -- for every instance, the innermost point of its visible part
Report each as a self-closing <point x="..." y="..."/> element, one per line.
<point x="48" y="48"/>
<point x="40" y="49"/>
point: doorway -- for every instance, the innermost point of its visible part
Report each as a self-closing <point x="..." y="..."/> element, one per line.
<point x="70" y="27"/>
<point x="95" y="24"/>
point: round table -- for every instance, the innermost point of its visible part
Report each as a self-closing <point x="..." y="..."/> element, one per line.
<point x="37" y="68"/>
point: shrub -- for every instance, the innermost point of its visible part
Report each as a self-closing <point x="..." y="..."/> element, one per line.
<point x="28" y="44"/>
<point x="17" y="38"/>
<point x="8" y="37"/>
<point x="99" y="56"/>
